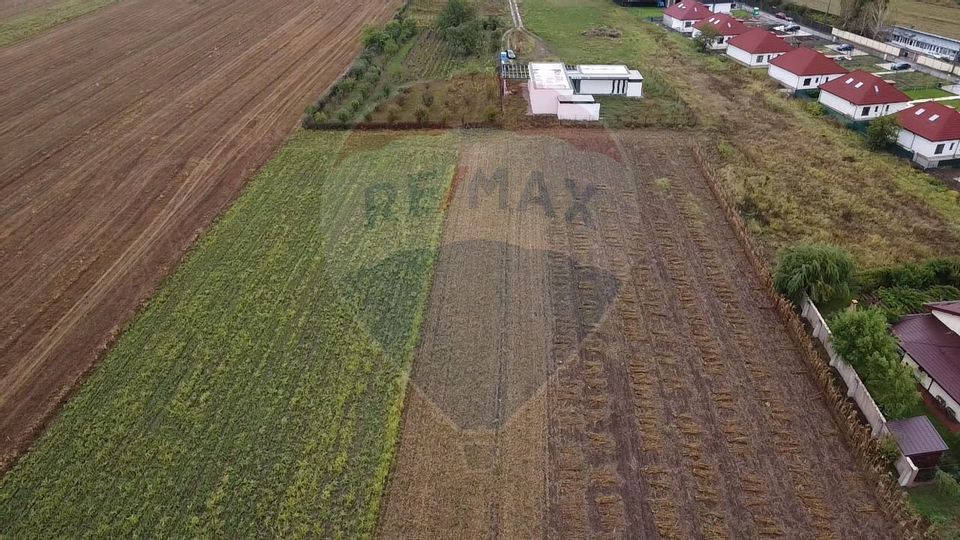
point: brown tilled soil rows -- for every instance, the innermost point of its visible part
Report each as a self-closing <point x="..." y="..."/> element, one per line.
<point x="123" y="134"/>
<point x="598" y="360"/>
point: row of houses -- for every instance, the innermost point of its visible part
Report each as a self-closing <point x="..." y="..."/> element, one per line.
<point x="929" y="131"/>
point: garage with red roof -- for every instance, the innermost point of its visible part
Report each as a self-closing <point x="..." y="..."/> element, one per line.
<point x="757" y="47"/>
<point x="803" y="68"/>
<point x="862" y="96"/>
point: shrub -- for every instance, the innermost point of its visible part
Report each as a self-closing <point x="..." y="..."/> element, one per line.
<point x="889" y="449"/>
<point x="374" y="39"/>
<point x="345" y="86"/>
<point x="820" y="271"/>
<point x="427" y="99"/>
<point x="344" y="116"/>
<point x="320" y="117"/>
<point x="307" y="122"/>
<point x="947" y="485"/>
<point x="392" y="114"/>
<point x="882" y="132"/>
<point x="390" y="47"/>
<point x="465" y="39"/>
<point x="862" y="339"/>
<point x="813" y="108"/>
<point x="456" y="13"/>
<point x="386" y="91"/>
<point x="490" y="115"/>
<point x="421" y="115"/>
<point x="355" y="105"/>
<point x="359" y="68"/>
<point x="706" y="38"/>
<point x="895" y="302"/>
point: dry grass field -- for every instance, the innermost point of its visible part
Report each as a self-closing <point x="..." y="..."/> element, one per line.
<point x="938" y="17"/>
<point x="625" y="376"/>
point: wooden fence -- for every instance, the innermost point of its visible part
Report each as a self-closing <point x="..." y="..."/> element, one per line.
<point x="892" y="499"/>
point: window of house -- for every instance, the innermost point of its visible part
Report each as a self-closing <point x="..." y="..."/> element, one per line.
<point x="865" y="111"/>
<point x="938" y="149"/>
<point x="806" y="82"/>
<point x="951" y="146"/>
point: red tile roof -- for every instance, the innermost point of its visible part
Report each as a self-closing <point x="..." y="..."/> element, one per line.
<point x="933" y="122"/>
<point x="916" y="436"/>
<point x="760" y="41"/>
<point x="725" y="24"/>
<point x="934" y="347"/>
<point x="803" y="61"/>
<point x="688" y="10"/>
<point x="862" y="88"/>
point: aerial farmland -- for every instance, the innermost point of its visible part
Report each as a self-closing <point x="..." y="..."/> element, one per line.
<point x="308" y="269"/>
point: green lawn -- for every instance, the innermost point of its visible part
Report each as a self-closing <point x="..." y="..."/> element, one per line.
<point x="866" y="62"/>
<point x="33" y="22"/>
<point x="912" y="80"/>
<point x="259" y="393"/>
<point x="955" y="103"/>
<point x="927" y="93"/>
<point x="943" y="512"/>
<point x="741" y="14"/>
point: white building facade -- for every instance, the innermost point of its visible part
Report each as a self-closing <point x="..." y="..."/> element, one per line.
<point x="797" y="82"/>
<point x="751" y="60"/>
<point x="859" y="112"/>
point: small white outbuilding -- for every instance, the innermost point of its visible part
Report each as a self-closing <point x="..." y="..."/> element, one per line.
<point x="578" y="107"/>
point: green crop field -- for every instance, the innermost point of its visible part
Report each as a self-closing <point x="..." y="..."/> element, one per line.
<point x="259" y="392"/>
<point x="39" y="20"/>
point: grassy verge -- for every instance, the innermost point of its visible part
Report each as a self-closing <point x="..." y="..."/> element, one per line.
<point x="259" y="393"/>
<point x="927" y="93"/>
<point x="942" y="512"/>
<point x="797" y="175"/>
<point x="34" y="22"/>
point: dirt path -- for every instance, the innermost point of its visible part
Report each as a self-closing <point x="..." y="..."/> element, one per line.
<point x="124" y="134"/>
<point x="597" y="360"/>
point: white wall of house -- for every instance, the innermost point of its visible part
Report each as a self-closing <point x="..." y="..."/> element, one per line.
<point x="602" y="87"/>
<point x="797" y="82"/>
<point x="931" y="385"/>
<point x="722" y="7"/>
<point x="752" y="60"/>
<point x="929" y="154"/>
<point x="677" y="24"/>
<point x="718" y="45"/>
<point x="578" y="111"/>
<point x="859" y="112"/>
<point x="544" y="101"/>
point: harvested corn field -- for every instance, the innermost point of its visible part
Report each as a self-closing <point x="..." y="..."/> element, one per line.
<point x="597" y="360"/>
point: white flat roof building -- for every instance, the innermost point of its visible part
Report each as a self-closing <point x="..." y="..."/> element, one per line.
<point x="551" y="85"/>
<point x="547" y="82"/>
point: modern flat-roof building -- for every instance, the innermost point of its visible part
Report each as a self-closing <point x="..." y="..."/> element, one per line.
<point x="940" y="47"/>
<point x="606" y="80"/>
<point x="567" y="91"/>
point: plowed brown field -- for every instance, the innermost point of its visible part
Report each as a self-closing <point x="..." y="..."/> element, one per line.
<point x="598" y="360"/>
<point x="123" y="134"/>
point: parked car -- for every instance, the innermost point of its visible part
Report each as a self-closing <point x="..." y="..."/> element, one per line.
<point x="899" y="66"/>
<point x="791" y="28"/>
<point x="845" y="47"/>
<point x="511" y="55"/>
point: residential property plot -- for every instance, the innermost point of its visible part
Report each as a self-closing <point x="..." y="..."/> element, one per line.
<point x="259" y="393"/>
<point x="597" y="359"/>
<point x="124" y="133"/>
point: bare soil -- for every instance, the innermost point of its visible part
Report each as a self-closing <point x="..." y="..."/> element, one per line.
<point x="597" y="360"/>
<point x="124" y="134"/>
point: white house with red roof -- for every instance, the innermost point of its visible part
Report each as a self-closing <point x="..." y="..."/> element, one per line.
<point x="804" y="69"/>
<point x="931" y="346"/>
<point x="683" y="15"/>
<point x="860" y="96"/>
<point x="757" y="47"/>
<point x="931" y="131"/>
<point x="727" y="26"/>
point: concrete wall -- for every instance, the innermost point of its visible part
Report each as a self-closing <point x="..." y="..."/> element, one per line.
<point x="907" y="471"/>
<point x="878" y="46"/>
<point x="544" y="101"/>
<point x="938" y="65"/>
<point x="855" y="387"/>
